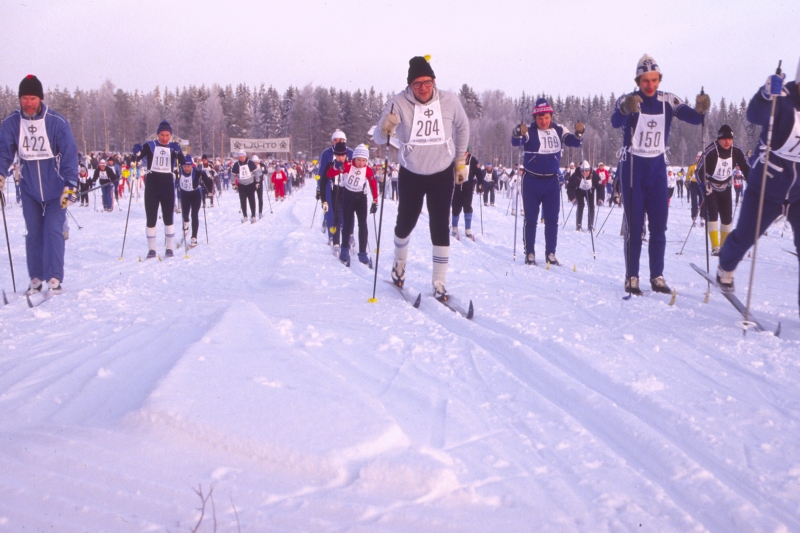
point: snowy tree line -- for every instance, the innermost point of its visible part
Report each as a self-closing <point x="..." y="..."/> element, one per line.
<point x="112" y="119"/>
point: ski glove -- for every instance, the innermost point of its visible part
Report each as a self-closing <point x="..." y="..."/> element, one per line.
<point x="630" y="104"/>
<point x="773" y="87"/>
<point x="389" y="124"/>
<point x="2" y="182"/>
<point x="374" y="208"/>
<point x="137" y="149"/>
<point x="324" y="207"/>
<point x="68" y="197"/>
<point x="462" y="172"/>
<point x="709" y="190"/>
<point x="520" y="131"/>
<point x="702" y="103"/>
<point x="579" y="129"/>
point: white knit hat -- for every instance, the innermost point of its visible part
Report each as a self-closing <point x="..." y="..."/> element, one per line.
<point x="338" y="134"/>
<point x="241" y="153"/>
<point x="646" y="64"/>
<point x="361" y="151"/>
<point x="586" y="166"/>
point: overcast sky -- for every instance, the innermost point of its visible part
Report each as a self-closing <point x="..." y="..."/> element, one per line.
<point x="578" y="47"/>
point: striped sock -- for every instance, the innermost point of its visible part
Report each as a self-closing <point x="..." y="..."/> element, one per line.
<point x="441" y="257"/>
<point x="151" y="238"/>
<point x="400" y="254"/>
<point x="169" y="233"/>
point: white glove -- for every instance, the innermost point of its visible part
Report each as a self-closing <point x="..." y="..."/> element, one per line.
<point x="324" y="207"/>
<point x="389" y="124"/>
<point x="462" y="171"/>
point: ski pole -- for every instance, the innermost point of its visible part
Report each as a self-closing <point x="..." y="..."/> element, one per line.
<point x="380" y="226"/>
<point x="125" y="235"/>
<point x="480" y="206"/>
<point x="270" y="204"/>
<point x="629" y="229"/>
<point x="205" y="221"/>
<point x="699" y="210"/>
<point x="613" y="205"/>
<point x="705" y="214"/>
<point x="316" y="203"/>
<point x="8" y="244"/>
<point x="767" y="149"/>
<point x="568" y="215"/>
<point x="74" y="219"/>
<point x="374" y="224"/>
<point x="516" y="218"/>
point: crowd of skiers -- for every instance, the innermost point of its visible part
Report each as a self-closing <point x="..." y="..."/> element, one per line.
<point x="431" y="130"/>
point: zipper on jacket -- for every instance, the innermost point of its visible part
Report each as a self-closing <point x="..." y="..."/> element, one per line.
<point x="41" y="188"/>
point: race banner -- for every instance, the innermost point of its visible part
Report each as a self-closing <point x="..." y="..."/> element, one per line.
<point x="262" y="145"/>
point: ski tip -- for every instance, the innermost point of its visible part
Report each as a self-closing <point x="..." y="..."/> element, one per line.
<point x="778" y="330"/>
<point x="5" y="298"/>
<point x="674" y="297"/>
<point x="372" y="300"/>
<point x="28" y="299"/>
<point x="418" y="301"/>
<point x="575" y="268"/>
<point x="470" y="311"/>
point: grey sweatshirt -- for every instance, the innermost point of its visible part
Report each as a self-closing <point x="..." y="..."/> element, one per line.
<point x="427" y="160"/>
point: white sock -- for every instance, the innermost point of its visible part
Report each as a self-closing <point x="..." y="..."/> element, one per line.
<point x="169" y="233"/>
<point x="401" y="253"/>
<point x="151" y="238"/>
<point x="441" y="257"/>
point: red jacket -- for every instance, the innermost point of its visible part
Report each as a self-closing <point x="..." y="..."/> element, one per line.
<point x="278" y="176"/>
<point x="373" y="186"/>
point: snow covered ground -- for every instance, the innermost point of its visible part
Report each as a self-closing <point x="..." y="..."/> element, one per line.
<point x="257" y="367"/>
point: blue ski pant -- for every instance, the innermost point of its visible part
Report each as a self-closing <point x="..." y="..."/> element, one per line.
<point x="743" y="236"/>
<point x="544" y="190"/>
<point x="44" y="244"/>
<point x="649" y="196"/>
<point x="108" y="196"/>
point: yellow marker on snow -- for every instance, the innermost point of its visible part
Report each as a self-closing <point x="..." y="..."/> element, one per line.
<point x="372" y="300"/>
<point x="575" y="268"/>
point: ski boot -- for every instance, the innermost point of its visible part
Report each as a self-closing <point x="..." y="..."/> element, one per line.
<point x="364" y="258"/>
<point x="55" y="286"/>
<point x="725" y="280"/>
<point x="151" y="254"/>
<point x="439" y="292"/>
<point x="253" y="219"/>
<point x="169" y="253"/>
<point x="632" y="286"/>
<point x="398" y="273"/>
<point x="551" y="258"/>
<point x="468" y="233"/>
<point x="530" y="259"/>
<point x="659" y="285"/>
<point x="34" y="287"/>
<point x="344" y="256"/>
<point x="194" y="242"/>
<point x="715" y="251"/>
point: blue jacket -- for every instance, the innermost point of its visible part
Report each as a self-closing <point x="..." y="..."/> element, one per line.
<point x="653" y="105"/>
<point x="785" y="174"/>
<point x="44" y="179"/>
<point x="147" y="153"/>
<point x="544" y="164"/>
<point x="327" y="158"/>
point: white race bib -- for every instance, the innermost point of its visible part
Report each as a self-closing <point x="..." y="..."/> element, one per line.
<point x="648" y="139"/>
<point x="428" y="126"/>
<point x="724" y="169"/>
<point x="186" y="182"/>
<point x="162" y="159"/>
<point x="34" y="145"/>
<point x="244" y="172"/>
<point x="585" y="184"/>
<point x="102" y="175"/>
<point x="791" y="148"/>
<point x="549" y="142"/>
<point x="356" y="180"/>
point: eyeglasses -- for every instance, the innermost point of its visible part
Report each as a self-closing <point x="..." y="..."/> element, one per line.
<point x="420" y="84"/>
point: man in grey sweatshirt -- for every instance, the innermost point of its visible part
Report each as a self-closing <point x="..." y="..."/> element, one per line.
<point x="433" y="131"/>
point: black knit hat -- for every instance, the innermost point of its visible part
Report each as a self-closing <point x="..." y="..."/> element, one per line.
<point x="31" y="86"/>
<point x="725" y="132"/>
<point x="340" y="148"/>
<point x="418" y="67"/>
<point x="164" y="126"/>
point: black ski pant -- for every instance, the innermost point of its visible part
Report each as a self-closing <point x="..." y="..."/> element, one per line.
<point x="336" y="206"/>
<point x="488" y="192"/>
<point x="354" y="204"/>
<point x="694" y="194"/>
<point x="190" y="204"/>
<point x="260" y="196"/>
<point x="437" y="192"/>
<point x="247" y="194"/>
<point x="462" y="198"/>
<point x="159" y="191"/>
<point x="584" y="197"/>
<point x="84" y="196"/>
<point x="720" y="206"/>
